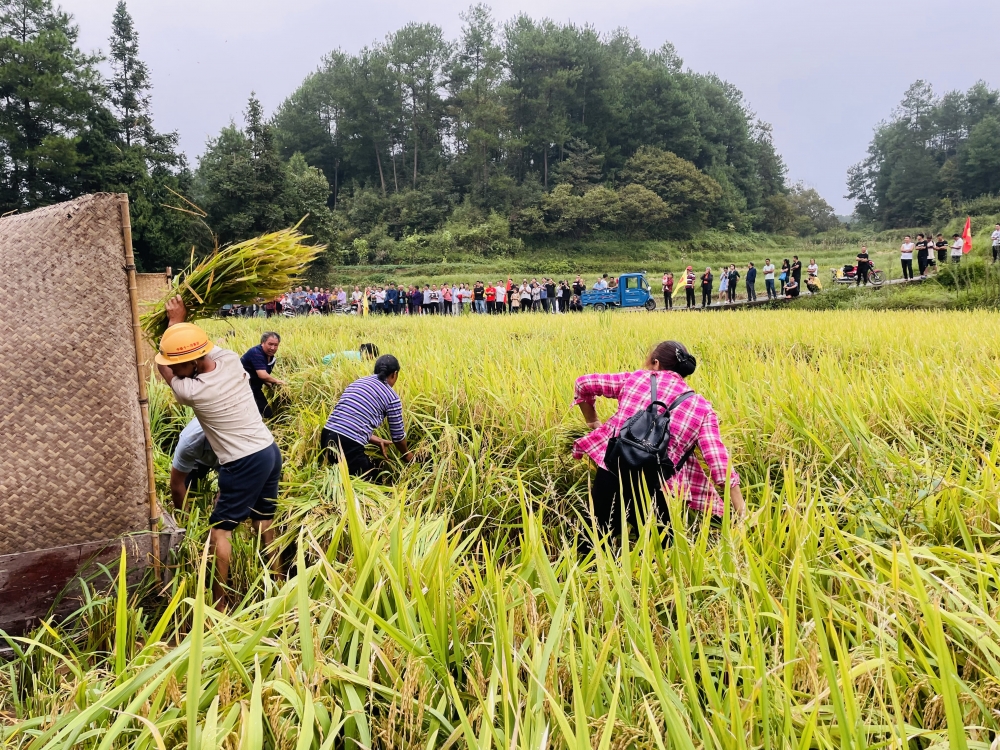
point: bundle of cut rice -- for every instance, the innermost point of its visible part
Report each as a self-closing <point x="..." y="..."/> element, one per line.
<point x="263" y="267"/>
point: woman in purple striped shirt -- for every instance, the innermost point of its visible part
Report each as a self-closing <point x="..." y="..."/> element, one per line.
<point x="361" y="409"/>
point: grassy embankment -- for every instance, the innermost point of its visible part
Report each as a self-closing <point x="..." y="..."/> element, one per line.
<point x="856" y="606"/>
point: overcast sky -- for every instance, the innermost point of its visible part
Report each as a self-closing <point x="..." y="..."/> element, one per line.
<point x="822" y="73"/>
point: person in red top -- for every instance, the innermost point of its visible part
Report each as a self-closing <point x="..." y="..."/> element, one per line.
<point x="668" y="290"/>
<point x="491" y="299"/>
<point x="693" y="424"/>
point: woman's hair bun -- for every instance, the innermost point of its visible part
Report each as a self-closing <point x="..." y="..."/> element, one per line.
<point x="674" y="356"/>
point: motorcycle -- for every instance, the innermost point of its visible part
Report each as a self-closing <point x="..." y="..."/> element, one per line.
<point x="849" y="275"/>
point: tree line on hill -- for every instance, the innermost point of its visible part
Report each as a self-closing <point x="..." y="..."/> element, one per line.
<point x="415" y="146"/>
<point x="932" y="160"/>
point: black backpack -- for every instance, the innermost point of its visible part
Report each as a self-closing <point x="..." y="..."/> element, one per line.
<point x="643" y="440"/>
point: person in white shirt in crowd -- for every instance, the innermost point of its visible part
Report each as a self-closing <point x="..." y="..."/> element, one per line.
<point x="212" y="381"/>
<point x="427" y="309"/>
<point x="602" y="284"/>
<point x="957" y="247"/>
<point x="995" y="236"/>
<point x="501" y="297"/>
<point x="456" y="299"/>
<point x="379" y="300"/>
<point x="768" y="271"/>
<point x="906" y="257"/>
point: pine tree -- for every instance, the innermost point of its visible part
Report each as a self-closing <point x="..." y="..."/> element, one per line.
<point x="47" y="89"/>
<point x="130" y="78"/>
<point x="241" y="182"/>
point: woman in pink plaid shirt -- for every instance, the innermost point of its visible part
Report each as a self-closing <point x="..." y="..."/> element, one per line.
<point x="692" y="424"/>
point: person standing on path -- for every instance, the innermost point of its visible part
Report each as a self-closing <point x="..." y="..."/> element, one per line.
<point x="785" y="275"/>
<point x="723" y="284"/>
<point x="957" y="248"/>
<point x="922" y="258"/>
<point x="550" y="293"/>
<point x="668" y="290"/>
<point x="689" y="279"/>
<point x="734" y="277"/>
<point x="258" y="361"/>
<point x="864" y="266"/>
<point x="768" y="270"/>
<point x="213" y="383"/>
<point x="942" y="249"/>
<point x="706" y="287"/>
<point x="995" y="236"/>
<point x="906" y="257"/>
<point x="751" y="281"/>
<point x="796" y="272"/>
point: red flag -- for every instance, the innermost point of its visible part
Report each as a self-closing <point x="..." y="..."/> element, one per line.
<point x="967" y="236"/>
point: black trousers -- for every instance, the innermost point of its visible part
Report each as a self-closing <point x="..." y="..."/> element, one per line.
<point x="751" y="292"/>
<point x="862" y="275"/>
<point x="731" y="292"/>
<point x="611" y="493"/>
<point x="706" y="296"/>
<point x="358" y="463"/>
<point x="262" y="405"/>
<point x="996" y="253"/>
<point x="922" y="263"/>
<point x="668" y="300"/>
<point x="907" y="264"/>
<point x="689" y="295"/>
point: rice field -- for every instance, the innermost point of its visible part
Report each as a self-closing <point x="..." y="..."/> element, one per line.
<point x="854" y="607"/>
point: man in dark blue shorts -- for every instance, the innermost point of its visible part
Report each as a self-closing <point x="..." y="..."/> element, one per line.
<point x="211" y="381"/>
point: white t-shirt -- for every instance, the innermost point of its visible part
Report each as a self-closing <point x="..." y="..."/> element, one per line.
<point x="995" y="237"/>
<point x="380" y="297"/>
<point x="427" y="296"/>
<point x="813" y="269"/>
<point x="957" y="247"/>
<point x="768" y="271"/>
<point x="501" y="294"/>
<point x="356" y="296"/>
<point x="906" y="251"/>
<point x="225" y="407"/>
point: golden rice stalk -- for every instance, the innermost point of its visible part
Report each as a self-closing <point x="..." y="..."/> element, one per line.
<point x="263" y="267"/>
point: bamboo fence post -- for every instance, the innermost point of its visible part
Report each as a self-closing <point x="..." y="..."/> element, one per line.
<point x="133" y="293"/>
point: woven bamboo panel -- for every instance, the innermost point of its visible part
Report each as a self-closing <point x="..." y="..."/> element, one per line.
<point x="71" y="438"/>
<point x="151" y="287"/>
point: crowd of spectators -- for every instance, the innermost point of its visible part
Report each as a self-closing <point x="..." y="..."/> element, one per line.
<point x="485" y="298"/>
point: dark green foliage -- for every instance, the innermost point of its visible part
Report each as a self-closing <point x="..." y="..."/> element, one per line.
<point x="934" y="153"/>
<point x="65" y="132"/>
<point x="506" y="116"/>
<point x="47" y="89"/>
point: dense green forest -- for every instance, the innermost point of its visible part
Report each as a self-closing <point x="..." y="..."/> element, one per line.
<point x="931" y="160"/>
<point x="416" y="146"/>
<point x="512" y="137"/>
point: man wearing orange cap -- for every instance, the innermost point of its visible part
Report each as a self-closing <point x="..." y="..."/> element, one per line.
<point x="212" y="381"/>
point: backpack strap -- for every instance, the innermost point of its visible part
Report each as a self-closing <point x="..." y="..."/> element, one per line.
<point x="679" y="400"/>
<point x="652" y="387"/>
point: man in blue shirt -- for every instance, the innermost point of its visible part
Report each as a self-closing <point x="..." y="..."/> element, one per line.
<point x="258" y="363"/>
<point x="390" y="300"/>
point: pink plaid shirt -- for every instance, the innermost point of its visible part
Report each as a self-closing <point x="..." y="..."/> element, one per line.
<point x="692" y="422"/>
